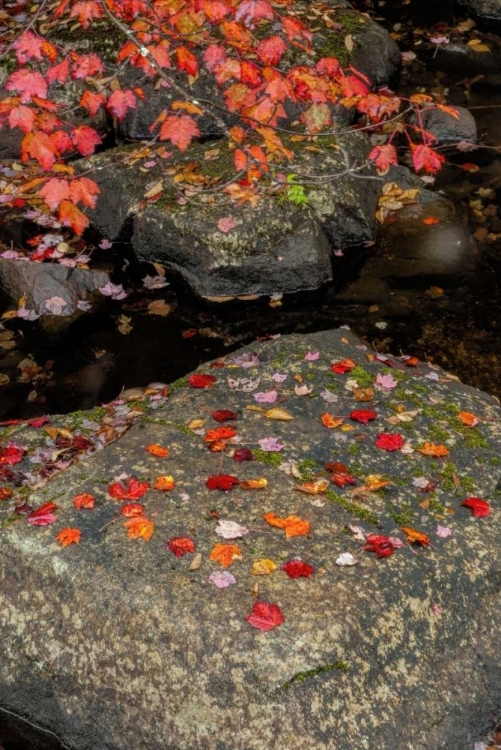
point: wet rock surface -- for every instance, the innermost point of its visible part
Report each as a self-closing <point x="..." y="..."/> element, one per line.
<point x="448" y="128"/>
<point x="483" y="8"/>
<point x="116" y="643"/>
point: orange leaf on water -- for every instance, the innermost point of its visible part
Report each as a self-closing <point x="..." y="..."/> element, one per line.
<point x="69" y="536"/>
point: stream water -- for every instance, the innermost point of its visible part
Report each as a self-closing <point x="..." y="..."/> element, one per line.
<point x="429" y="290"/>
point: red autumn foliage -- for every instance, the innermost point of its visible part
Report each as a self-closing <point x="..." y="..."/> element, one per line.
<point x="265" y="616"/>
<point x="243" y="454"/>
<point x="43" y="515"/>
<point x="297" y="569"/>
<point x="224" y="415"/>
<point x="343" y="366"/>
<point x="380" y="545"/>
<point x="363" y="415"/>
<point x="132" y="510"/>
<point x="479" y="508"/>
<point x="245" y="48"/>
<point x="130" y="489"/>
<point x="84" y="500"/>
<point x="181" y="545"/>
<point x="389" y="441"/>
<point x="11" y="454"/>
<point x="224" y="482"/>
<point x="201" y="381"/>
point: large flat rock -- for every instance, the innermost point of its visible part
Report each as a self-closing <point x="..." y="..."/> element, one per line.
<point x="117" y="644"/>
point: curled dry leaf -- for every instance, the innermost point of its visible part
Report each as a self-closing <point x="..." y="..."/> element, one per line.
<point x="278" y="414"/>
<point x="313" y="488"/>
<point x="254" y="484"/>
<point x="380" y="545"/>
<point x="263" y="567"/>
<point x="43" y="515"/>
<point x="68" y="536"/>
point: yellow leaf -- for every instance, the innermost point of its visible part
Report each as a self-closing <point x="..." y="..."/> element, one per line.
<point x="159" y="307"/>
<point x="254" y="484"/>
<point x="280" y="414"/>
<point x="263" y="567"/>
<point x="195" y="424"/>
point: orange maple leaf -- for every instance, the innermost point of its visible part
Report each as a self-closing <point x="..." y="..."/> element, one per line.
<point x="69" y="536"/>
<point x="84" y="500"/>
<point x="292" y="525"/>
<point x="416" y="537"/>
<point x="468" y="419"/>
<point x="329" y="421"/>
<point x="313" y="488"/>
<point x="225" y="554"/>
<point x="164" y="483"/>
<point x="139" y="527"/>
<point x="433" y="449"/>
<point x="157" y="450"/>
<point x="254" y="484"/>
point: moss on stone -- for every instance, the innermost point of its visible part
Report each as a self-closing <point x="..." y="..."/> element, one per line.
<point x="269" y="458"/>
<point x="404" y="516"/>
<point x="342" y="666"/>
<point x="363" y="377"/>
<point x="356" y="510"/>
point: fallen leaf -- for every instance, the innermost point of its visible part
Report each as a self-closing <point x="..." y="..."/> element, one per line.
<point x="343" y="366"/>
<point x="381" y="545"/>
<point x="130" y="489"/>
<point x="225" y="554"/>
<point x="84" y="500"/>
<point x="292" y="525"/>
<point x="139" y="527"/>
<point x="197" y="561"/>
<point x="265" y="616"/>
<point x="430" y="220"/>
<point x="157" y="450"/>
<point x="224" y="415"/>
<point x="279" y="414"/>
<point x="416" y="537"/>
<point x="363" y="415"/>
<point x="164" y="483"/>
<point x="479" y="508"/>
<point x="224" y="482"/>
<point x="468" y="419"/>
<point x="297" y="569"/>
<point x="181" y="545"/>
<point x="69" y="536"/>
<point x="263" y="567"/>
<point x="313" y="488"/>
<point x="132" y="510"/>
<point x="254" y="484"/>
<point x="432" y="449"/>
<point x="222" y="579"/>
<point x="201" y="381"/>
<point x="230" y="529"/>
<point x="389" y="441"/>
<point x="220" y="433"/>
<point x="346" y="559"/>
<point x="329" y="421"/>
<point x="43" y="515"/>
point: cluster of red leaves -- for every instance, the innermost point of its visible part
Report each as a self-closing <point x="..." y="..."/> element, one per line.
<point x="241" y="45"/>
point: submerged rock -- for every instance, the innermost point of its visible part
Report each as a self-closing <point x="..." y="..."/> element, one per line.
<point x="119" y="643"/>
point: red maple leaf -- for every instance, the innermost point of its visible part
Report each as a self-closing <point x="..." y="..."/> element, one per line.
<point x="425" y="157"/>
<point x="265" y="616"/>
<point x="343" y="366"/>
<point x="120" y="101"/>
<point x="224" y="482"/>
<point x="12" y="454"/>
<point x="383" y="157"/>
<point x="297" y="569"/>
<point x="130" y="489"/>
<point x="270" y="50"/>
<point x="38" y="422"/>
<point x="91" y="101"/>
<point x="132" y="510"/>
<point x="180" y="130"/>
<point x="181" y="545"/>
<point x="86" y="65"/>
<point x="243" y="454"/>
<point x="389" y="441"/>
<point x="85" y="139"/>
<point x="85" y="11"/>
<point x="28" y="46"/>
<point x="40" y="146"/>
<point x="382" y="546"/>
<point x="22" y="117"/>
<point x="363" y="415"/>
<point x="28" y="83"/>
<point x="479" y="508"/>
<point x="201" y="381"/>
<point x="342" y="479"/>
<point x="223" y="415"/>
<point x="59" y="72"/>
